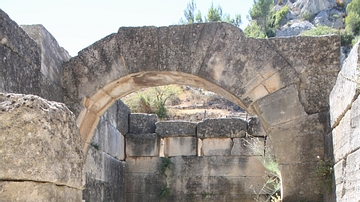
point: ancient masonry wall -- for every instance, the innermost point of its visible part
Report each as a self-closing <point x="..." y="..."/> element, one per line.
<point x="344" y="141"/>
<point x="30" y="60"/>
<point x="185" y="161"/>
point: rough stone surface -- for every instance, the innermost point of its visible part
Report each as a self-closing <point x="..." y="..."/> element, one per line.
<point x="52" y="55"/>
<point x="104" y="176"/>
<point x="280" y="107"/>
<point x="345" y="89"/>
<point x="37" y="192"/>
<point x="180" y="146"/>
<point x="221" y="128"/>
<point x="142" y="144"/>
<point x="216" y="146"/>
<point x="255" y="128"/>
<point x="122" y="113"/>
<point x="142" y="123"/>
<point x="175" y="129"/>
<point x="331" y="17"/>
<point x="294" y="28"/>
<point x="15" y="38"/>
<point x="39" y="141"/>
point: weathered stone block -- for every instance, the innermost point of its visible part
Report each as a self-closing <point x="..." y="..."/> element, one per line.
<point x="142" y="144"/>
<point x="339" y="175"/>
<point x="142" y="164"/>
<point x="135" y="197"/>
<point x="145" y="183"/>
<point x="52" y="55"/>
<point x="227" y="166"/>
<point x="94" y="165"/>
<point x="307" y="140"/>
<point x="180" y="146"/>
<point x="343" y="93"/>
<point x="39" y="141"/>
<point x="279" y="107"/>
<point x="216" y="146"/>
<point x="175" y="128"/>
<point x="247" y="146"/>
<point x="37" y="192"/>
<point x="352" y="177"/>
<point x="301" y="175"/>
<point x="114" y="185"/>
<point x="122" y="114"/>
<point x="341" y="138"/>
<point x="142" y="123"/>
<point x="212" y="128"/>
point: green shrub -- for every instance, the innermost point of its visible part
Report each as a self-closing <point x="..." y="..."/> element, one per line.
<point x="280" y="15"/>
<point x="346" y="38"/>
<point x="355" y="40"/>
<point x="352" y="22"/>
<point x="253" y="30"/>
<point x="319" y="30"/>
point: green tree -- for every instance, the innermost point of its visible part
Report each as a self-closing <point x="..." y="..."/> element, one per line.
<point x="263" y="16"/>
<point x="191" y="14"/>
<point x="352" y="20"/>
<point x="214" y="14"/>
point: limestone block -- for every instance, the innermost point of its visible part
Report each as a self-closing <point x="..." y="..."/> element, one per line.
<point x="345" y="88"/>
<point x="145" y="183"/>
<point x="221" y="128"/>
<point x="307" y="140"/>
<point x="105" y="177"/>
<point x="111" y="114"/>
<point x="52" y="55"/>
<point x="39" y="141"/>
<point x="247" y="146"/>
<point x="123" y="112"/>
<point x="37" y="192"/>
<point x="352" y="177"/>
<point x="142" y="164"/>
<point x="341" y="138"/>
<point x="339" y="173"/>
<point x="180" y="146"/>
<point x="142" y="123"/>
<point x="94" y="166"/>
<point x="217" y="185"/>
<point x="135" y="197"/>
<point x="216" y="146"/>
<point x="279" y="107"/>
<point x="114" y="185"/>
<point x="227" y="166"/>
<point x="175" y="128"/>
<point x="142" y="144"/>
<point x="299" y="181"/>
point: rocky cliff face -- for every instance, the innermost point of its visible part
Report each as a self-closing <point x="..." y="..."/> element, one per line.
<point x="305" y="14"/>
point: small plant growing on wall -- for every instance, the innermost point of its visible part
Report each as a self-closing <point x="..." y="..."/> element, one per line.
<point x="166" y="163"/>
<point x="325" y="170"/>
<point x="272" y="185"/>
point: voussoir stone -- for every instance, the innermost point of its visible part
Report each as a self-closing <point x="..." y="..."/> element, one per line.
<point x="39" y="141"/>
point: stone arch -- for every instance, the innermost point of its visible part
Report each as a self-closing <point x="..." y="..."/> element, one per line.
<point x="285" y="81"/>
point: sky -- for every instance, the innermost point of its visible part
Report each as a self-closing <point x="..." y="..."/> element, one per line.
<point x="77" y="24"/>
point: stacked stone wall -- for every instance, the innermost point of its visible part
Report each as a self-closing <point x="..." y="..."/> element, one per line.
<point x="344" y="141"/>
<point x="186" y="161"/>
